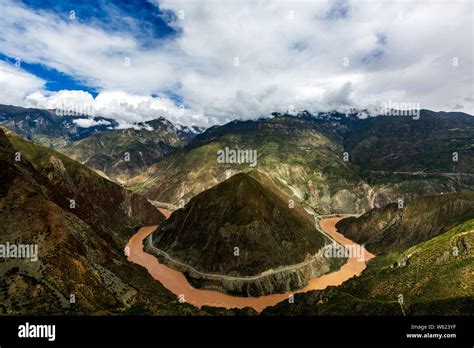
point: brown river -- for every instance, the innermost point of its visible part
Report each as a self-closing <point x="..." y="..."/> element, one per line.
<point x="177" y="283"/>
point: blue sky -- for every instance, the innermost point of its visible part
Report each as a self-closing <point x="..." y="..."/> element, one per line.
<point x="54" y="79"/>
<point x="145" y="21"/>
<point x="207" y="62"/>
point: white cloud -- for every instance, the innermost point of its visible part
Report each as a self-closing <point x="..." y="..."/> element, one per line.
<point x="289" y="53"/>
<point x="89" y="122"/>
<point x="15" y="84"/>
<point x="124" y="107"/>
<point x="60" y="100"/>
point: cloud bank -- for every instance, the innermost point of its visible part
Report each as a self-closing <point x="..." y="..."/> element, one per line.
<point x="248" y="58"/>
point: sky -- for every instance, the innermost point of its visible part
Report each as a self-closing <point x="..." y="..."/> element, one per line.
<point x="209" y="62"/>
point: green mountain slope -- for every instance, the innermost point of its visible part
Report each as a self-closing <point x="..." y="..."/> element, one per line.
<point x="432" y="277"/>
<point x="404" y="144"/>
<point x="388" y="157"/>
<point x="122" y="154"/>
<point x="405" y="157"/>
<point x="422" y="218"/>
<point x="299" y="159"/>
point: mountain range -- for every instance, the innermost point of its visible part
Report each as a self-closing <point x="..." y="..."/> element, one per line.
<point x="80" y="223"/>
<point x="122" y="154"/>
<point x="80" y="187"/>
<point x="323" y="163"/>
<point x="46" y="127"/>
<point x="99" y="142"/>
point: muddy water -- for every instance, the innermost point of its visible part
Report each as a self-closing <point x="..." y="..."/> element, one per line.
<point x="165" y="212"/>
<point x="177" y="283"/>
